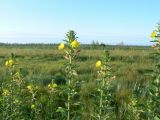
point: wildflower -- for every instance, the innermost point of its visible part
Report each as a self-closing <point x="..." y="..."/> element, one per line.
<point x="134" y="102"/>
<point x="75" y="44"/>
<point x="54" y="85"/>
<point x="49" y="85"/>
<point x="98" y="64"/>
<point x="29" y="87"/>
<point x="32" y="106"/>
<point x="153" y="34"/>
<point x="61" y="46"/>
<point x="9" y="62"/>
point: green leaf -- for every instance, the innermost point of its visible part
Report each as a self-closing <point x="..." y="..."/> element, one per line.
<point x="156" y="118"/>
<point x="60" y="109"/>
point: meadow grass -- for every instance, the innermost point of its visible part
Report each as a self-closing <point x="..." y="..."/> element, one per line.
<point x="40" y="64"/>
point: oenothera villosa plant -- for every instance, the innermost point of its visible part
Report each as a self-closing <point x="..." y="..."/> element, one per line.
<point x="154" y="100"/>
<point x="70" y="46"/>
<point x="52" y="90"/>
<point x="105" y="88"/>
<point x="33" y="104"/>
<point x="12" y="91"/>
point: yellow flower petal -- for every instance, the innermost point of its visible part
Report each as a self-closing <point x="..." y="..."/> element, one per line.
<point x="54" y="85"/>
<point x="75" y="44"/>
<point x="10" y="62"/>
<point x="29" y="87"/>
<point x="61" y="46"/>
<point x="32" y="106"/>
<point x="49" y="85"/>
<point x="98" y="64"/>
<point x="7" y="63"/>
<point x="153" y="34"/>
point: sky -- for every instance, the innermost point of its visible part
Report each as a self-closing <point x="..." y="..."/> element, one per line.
<point x="106" y="21"/>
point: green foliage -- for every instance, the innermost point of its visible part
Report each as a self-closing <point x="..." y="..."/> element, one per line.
<point x="45" y="83"/>
<point x="154" y="91"/>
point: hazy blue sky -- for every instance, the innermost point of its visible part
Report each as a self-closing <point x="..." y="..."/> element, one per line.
<point x="108" y="21"/>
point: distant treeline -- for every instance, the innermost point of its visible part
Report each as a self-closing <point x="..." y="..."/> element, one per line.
<point x="83" y="46"/>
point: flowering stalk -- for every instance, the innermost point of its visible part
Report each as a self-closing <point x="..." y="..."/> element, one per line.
<point x="33" y="91"/>
<point x="154" y="103"/>
<point x="52" y="89"/>
<point x="69" y="90"/>
<point x="10" y="66"/>
<point x="12" y="90"/>
<point x="101" y="99"/>
<point x="104" y="77"/>
<point x="70" y="46"/>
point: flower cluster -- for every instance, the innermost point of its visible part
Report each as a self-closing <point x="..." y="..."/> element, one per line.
<point x="74" y="44"/>
<point x="29" y="87"/>
<point x="52" y="87"/>
<point x="71" y="51"/>
<point x="155" y="35"/>
<point x="9" y="63"/>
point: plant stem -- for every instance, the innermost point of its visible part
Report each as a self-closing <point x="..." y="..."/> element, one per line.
<point x="68" y="105"/>
<point x="69" y="82"/>
<point x="11" y="87"/>
<point x="101" y="100"/>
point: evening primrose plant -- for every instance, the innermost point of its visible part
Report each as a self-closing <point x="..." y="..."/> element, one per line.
<point x="12" y="91"/>
<point x="154" y="100"/>
<point x="8" y="91"/>
<point x="150" y="107"/>
<point x="70" y="47"/>
<point x="33" y="90"/>
<point x="52" y="90"/>
<point x="105" y="88"/>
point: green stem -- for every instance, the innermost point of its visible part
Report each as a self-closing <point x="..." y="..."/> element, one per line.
<point x="101" y="100"/>
<point x="11" y="87"/>
<point x="68" y="104"/>
<point x="69" y="97"/>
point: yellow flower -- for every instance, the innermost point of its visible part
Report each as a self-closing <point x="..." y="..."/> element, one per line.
<point x="54" y="85"/>
<point x="29" y="87"/>
<point x="7" y="63"/>
<point x="153" y="34"/>
<point x="61" y="46"/>
<point x="49" y="85"/>
<point x="10" y="62"/>
<point x="98" y="64"/>
<point x="32" y="106"/>
<point x="75" y="44"/>
<point x="134" y="102"/>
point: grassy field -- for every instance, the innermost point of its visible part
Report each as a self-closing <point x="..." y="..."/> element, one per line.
<point x="40" y="64"/>
<point x="43" y="62"/>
